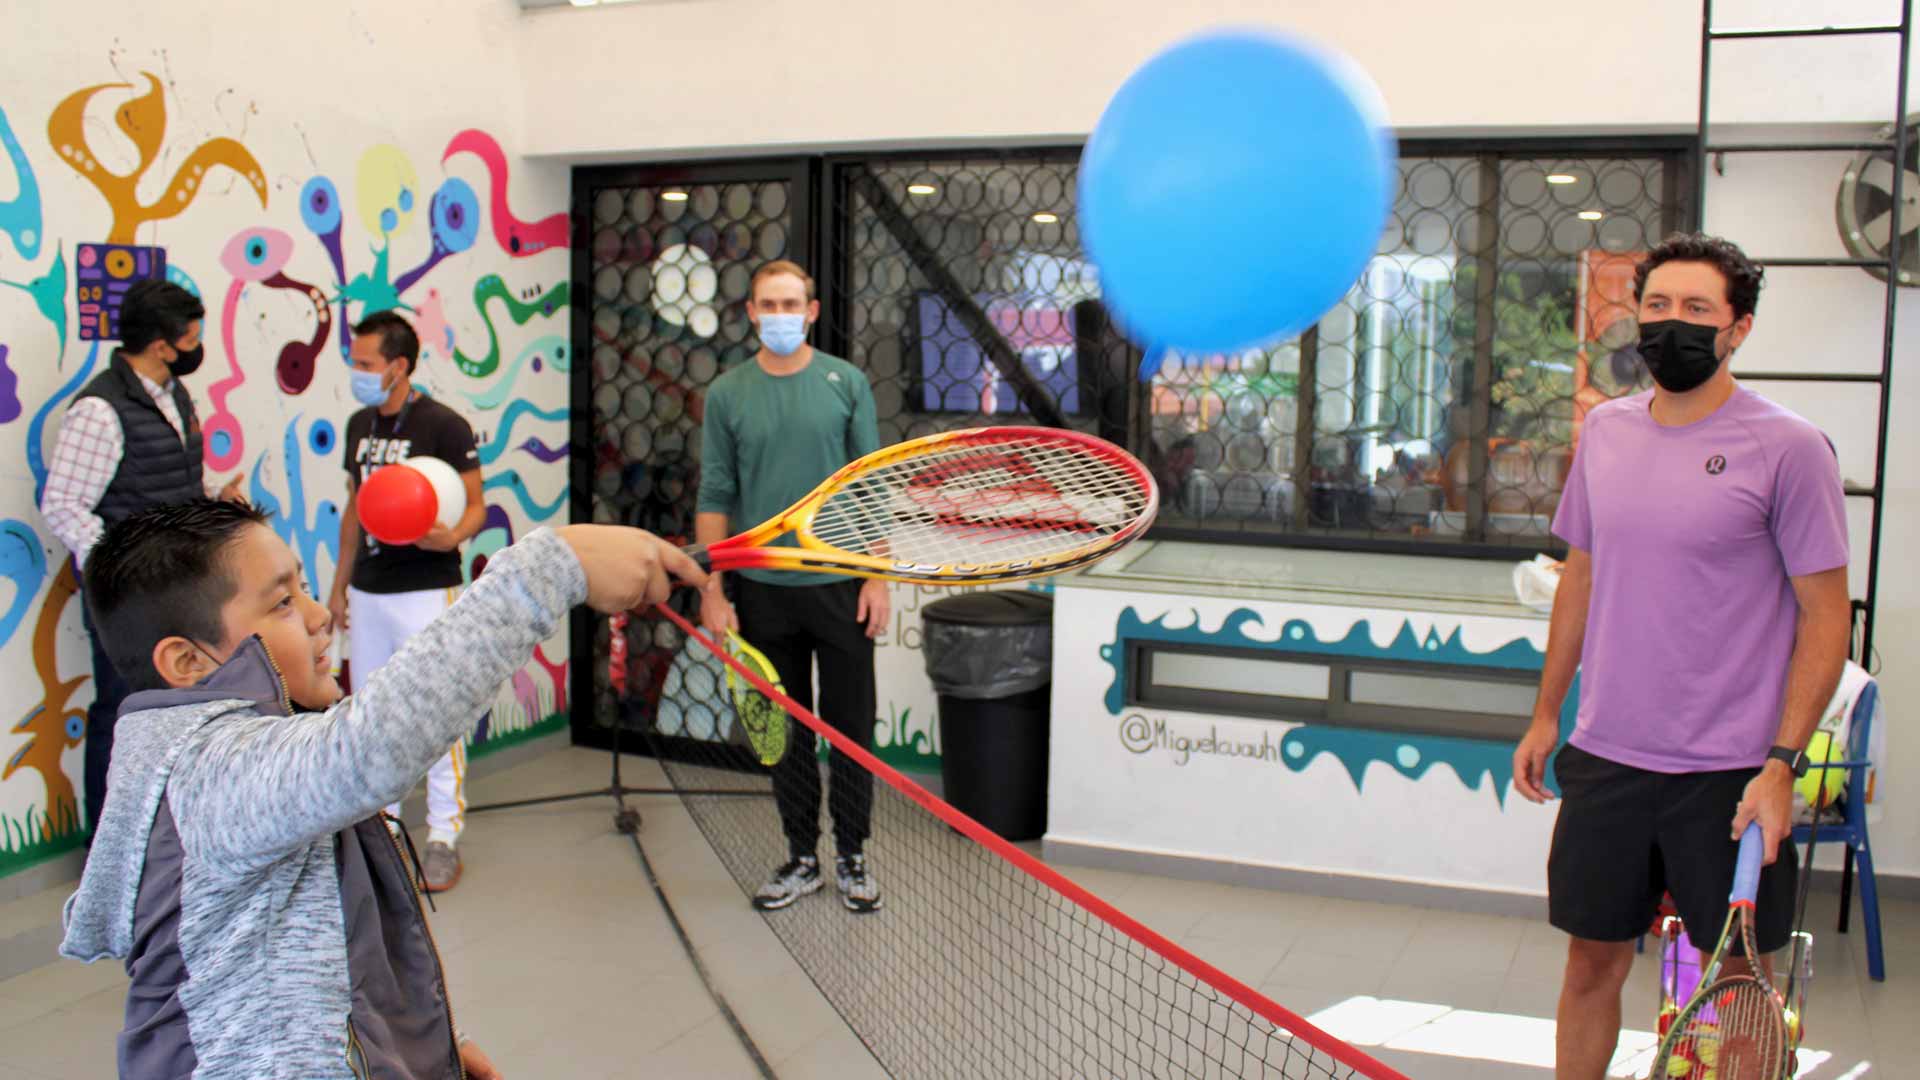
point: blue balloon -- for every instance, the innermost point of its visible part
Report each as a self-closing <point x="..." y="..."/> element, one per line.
<point x="1234" y="190"/>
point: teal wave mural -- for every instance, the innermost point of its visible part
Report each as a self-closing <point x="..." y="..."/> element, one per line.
<point x="1474" y="761"/>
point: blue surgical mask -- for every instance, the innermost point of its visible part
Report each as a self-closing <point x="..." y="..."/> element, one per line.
<point x="783" y="334"/>
<point x="369" y="388"/>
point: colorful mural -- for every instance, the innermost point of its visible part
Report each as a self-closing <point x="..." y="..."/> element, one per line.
<point x="295" y="236"/>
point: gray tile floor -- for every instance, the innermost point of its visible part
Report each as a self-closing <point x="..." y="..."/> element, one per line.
<point x="562" y="964"/>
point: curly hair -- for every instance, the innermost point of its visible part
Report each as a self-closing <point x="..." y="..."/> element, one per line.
<point x="1744" y="276"/>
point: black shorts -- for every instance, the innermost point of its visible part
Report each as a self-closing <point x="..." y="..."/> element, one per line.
<point x="1627" y="835"/>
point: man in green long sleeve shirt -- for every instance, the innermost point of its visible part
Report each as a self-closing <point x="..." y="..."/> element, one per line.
<point x="772" y="430"/>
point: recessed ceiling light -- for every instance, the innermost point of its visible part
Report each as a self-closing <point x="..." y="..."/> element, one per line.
<point x="674" y="196"/>
<point x="921" y="189"/>
<point x="1591" y="215"/>
<point x="1562" y="178"/>
<point x="1045" y="218"/>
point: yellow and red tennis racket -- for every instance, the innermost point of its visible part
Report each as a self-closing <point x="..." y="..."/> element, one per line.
<point x="979" y="505"/>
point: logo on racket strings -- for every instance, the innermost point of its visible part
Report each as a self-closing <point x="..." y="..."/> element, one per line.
<point x="996" y="491"/>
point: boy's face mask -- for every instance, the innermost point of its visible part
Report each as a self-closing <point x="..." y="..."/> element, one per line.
<point x="311" y="695"/>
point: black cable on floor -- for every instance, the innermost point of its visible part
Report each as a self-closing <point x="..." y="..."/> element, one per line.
<point x="686" y="943"/>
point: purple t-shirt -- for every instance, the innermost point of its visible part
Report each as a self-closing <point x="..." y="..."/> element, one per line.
<point x="1695" y="532"/>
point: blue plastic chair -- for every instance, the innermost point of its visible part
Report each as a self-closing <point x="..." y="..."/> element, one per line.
<point x="1851" y="830"/>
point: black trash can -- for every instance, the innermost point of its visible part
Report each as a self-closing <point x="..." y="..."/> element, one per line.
<point x="990" y="658"/>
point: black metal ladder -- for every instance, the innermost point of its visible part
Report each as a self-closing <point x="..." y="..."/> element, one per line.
<point x="1705" y="146"/>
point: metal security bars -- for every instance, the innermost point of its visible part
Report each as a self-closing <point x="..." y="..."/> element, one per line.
<point x="1433" y="410"/>
<point x="663" y="257"/>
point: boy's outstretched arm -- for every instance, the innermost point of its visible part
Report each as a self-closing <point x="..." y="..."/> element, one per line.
<point x="250" y="790"/>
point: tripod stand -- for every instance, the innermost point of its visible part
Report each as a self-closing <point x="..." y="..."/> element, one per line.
<point x="626" y="820"/>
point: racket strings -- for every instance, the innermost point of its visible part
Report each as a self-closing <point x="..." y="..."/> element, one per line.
<point x="985" y="500"/>
<point x="1737" y="1030"/>
<point x="765" y="724"/>
<point x="764" y="721"/>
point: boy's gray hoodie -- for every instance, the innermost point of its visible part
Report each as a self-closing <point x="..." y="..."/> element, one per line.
<point x="268" y="922"/>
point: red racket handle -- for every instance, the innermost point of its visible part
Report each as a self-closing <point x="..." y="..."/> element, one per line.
<point x="617" y="654"/>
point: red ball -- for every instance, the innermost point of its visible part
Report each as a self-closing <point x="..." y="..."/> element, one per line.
<point x="397" y="505"/>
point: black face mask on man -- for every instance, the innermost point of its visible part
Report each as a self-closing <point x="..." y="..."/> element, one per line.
<point x="187" y="361"/>
<point x="1679" y="354"/>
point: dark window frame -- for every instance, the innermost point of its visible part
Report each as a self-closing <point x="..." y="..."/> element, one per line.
<point x="1337" y="709"/>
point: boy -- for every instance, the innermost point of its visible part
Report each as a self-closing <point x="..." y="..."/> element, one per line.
<point x="268" y="921"/>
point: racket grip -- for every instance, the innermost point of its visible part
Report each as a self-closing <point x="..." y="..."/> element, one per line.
<point x="617" y="654"/>
<point x="1746" y="872"/>
<point x="699" y="554"/>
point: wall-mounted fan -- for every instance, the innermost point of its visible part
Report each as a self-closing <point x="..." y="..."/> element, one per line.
<point x="1865" y="212"/>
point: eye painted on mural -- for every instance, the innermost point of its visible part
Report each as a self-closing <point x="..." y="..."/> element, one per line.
<point x="255" y="255"/>
<point x="456" y="216"/>
<point x="320" y="206"/>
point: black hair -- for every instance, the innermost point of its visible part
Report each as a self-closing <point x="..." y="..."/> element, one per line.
<point x="163" y="573"/>
<point x="155" y="310"/>
<point x="1744" y="276"/>
<point x="397" y="339"/>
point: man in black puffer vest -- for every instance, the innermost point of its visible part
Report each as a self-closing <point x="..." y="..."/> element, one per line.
<point x="130" y="441"/>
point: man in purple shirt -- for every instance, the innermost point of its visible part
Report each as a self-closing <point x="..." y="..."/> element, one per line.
<point x="1705" y="601"/>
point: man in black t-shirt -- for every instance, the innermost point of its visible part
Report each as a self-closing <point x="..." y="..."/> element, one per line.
<point x="385" y="593"/>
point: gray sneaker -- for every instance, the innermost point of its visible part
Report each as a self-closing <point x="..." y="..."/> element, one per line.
<point x="858" y="890"/>
<point x="443" y="867"/>
<point x="795" y="879"/>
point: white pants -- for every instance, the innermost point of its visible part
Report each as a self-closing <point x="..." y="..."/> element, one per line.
<point x="377" y="625"/>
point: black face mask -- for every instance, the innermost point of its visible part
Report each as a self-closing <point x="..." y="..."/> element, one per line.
<point x="1679" y="354"/>
<point x="188" y="360"/>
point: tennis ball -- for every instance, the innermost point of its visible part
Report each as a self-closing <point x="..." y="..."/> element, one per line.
<point x="1829" y="783"/>
<point x="1678" y="1066"/>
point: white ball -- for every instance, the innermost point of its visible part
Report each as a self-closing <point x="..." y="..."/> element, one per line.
<point x="449" y="490"/>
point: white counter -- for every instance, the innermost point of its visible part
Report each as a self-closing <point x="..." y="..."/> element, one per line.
<point x="1255" y="798"/>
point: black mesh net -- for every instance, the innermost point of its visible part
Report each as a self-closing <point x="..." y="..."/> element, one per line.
<point x="979" y="960"/>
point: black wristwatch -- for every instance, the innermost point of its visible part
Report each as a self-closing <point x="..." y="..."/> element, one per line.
<point x="1795" y="759"/>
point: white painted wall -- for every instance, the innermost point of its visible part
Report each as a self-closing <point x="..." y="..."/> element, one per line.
<point x="666" y="78"/>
